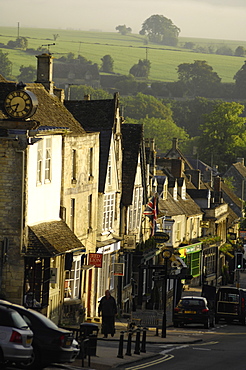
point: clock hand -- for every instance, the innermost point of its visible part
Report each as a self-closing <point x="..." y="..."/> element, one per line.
<point x="16" y="106"/>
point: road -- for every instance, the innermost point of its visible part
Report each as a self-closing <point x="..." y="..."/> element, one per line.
<point x="221" y="348"/>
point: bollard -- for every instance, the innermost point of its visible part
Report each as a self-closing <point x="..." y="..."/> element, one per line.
<point x="83" y="351"/>
<point x="143" y="345"/>
<point x="137" y="344"/>
<point x="129" y="343"/>
<point x="121" y="343"/>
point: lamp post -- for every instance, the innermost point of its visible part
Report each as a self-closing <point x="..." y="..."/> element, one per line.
<point x="166" y="254"/>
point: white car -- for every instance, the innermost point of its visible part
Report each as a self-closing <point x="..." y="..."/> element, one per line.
<point x="15" y="338"/>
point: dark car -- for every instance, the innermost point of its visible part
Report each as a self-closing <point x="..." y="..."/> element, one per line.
<point x="51" y="344"/>
<point x="193" y="310"/>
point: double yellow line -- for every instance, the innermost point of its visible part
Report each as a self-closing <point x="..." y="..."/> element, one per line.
<point x="151" y="363"/>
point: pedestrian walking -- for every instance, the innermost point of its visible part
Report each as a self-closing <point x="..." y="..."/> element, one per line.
<point x="108" y="308"/>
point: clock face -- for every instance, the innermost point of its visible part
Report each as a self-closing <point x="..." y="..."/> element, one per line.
<point x="20" y="104"/>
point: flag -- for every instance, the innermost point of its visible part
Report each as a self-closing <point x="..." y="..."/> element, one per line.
<point x="151" y="211"/>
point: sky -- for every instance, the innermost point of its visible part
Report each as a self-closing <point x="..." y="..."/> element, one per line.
<point x="216" y="19"/>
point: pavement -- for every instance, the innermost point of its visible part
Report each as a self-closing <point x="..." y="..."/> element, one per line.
<point x="109" y="354"/>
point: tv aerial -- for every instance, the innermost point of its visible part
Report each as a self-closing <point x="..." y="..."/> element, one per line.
<point x="48" y="46"/>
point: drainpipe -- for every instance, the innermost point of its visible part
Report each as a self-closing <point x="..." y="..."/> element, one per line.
<point x="22" y="197"/>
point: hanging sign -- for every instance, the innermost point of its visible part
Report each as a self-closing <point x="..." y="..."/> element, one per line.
<point x="95" y="259"/>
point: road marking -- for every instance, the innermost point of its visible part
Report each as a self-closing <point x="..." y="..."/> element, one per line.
<point x="205" y="344"/>
<point x="151" y="363"/>
<point x="202" y="349"/>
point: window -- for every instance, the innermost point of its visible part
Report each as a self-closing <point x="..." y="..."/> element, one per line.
<point x="74" y="165"/>
<point x="72" y="214"/>
<point x="111" y="272"/>
<point x="72" y="280"/>
<point x="109" y="173"/>
<point x="178" y="231"/>
<point x="135" y="210"/>
<point x="40" y="162"/>
<point x="37" y="282"/>
<point x="90" y="211"/>
<point x="47" y="172"/>
<point x="108" y="211"/>
<point x="90" y="164"/>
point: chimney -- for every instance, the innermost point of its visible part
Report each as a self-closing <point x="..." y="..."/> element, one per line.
<point x="175" y="143"/>
<point x="60" y="93"/>
<point x="177" y="167"/>
<point x="45" y="71"/>
<point x="87" y="97"/>
<point x="195" y="177"/>
<point x="240" y="160"/>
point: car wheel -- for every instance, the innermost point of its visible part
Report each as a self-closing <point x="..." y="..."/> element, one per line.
<point x="34" y="363"/>
<point x="2" y="362"/>
<point x="175" y="324"/>
<point x="212" y="322"/>
<point x="243" y="321"/>
<point x="206" y="324"/>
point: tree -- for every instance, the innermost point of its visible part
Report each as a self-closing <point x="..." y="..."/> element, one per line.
<point x="5" y="65"/>
<point x="240" y="82"/>
<point x="123" y="29"/>
<point x="142" y="106"/>
<point x="55" y="36"/>
<point x="163" y="131"/>
<point x="199" y="79"/>
<point x="27" y="74"/>
<point x="142" y="69"/>
<point x="19" y="43"/>
<point x="240" y="51"/>
<point x="78" y="92"/>
<point x="161" y="30"/>
<point x="223" y="137"/>
<point x="107" y="63"/>
<point x="190" y="113"/>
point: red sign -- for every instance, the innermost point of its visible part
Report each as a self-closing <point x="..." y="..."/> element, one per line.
<point x="95" y="259"/>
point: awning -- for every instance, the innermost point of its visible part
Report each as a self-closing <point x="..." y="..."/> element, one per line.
<point x="52" y="238"/>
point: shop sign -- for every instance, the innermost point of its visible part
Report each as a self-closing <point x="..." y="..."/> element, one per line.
<point x="119" y="269"/>
<point x="161" y="237"/>
<point x="95" y="259"/>
<point x="190" y="249"/>
<point x="53" y="275"/>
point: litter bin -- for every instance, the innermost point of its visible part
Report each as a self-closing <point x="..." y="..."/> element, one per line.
<point x="89" y="331"/>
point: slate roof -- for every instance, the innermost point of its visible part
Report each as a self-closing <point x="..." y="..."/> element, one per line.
<point x="48" y="239"/>
<point x="231" y="199"/>
<point x="97" y="116"/>
<point x="50" y="112"/>
<point x="93" y="115"/>
<point x="170" y="206"/>
<point x="240" y="168"/>
<point x="132" y="140"/>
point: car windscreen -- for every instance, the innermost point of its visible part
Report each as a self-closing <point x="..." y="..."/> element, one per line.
<point x="228" y="296"/>
<point x="192" y="302"/>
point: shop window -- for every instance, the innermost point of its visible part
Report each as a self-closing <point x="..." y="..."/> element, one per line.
<point x="36" y="282"/>
<point x="72" y="279"/>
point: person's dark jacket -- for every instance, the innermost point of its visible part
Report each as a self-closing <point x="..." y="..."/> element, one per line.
<point x="107" y="306"/>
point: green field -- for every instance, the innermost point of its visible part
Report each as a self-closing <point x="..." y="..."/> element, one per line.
<point x="125" y="50"/>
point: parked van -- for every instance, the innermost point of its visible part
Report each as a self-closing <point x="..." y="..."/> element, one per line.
<point x="230" y="304"/>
